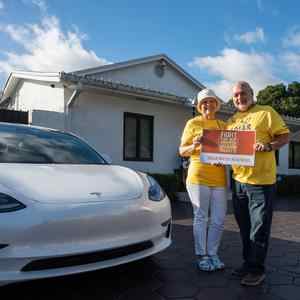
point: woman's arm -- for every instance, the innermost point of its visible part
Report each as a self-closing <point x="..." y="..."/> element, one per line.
<point x="188" y="150"/>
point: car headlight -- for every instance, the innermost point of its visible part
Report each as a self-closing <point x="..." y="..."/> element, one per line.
<point x="8" y="203"/>
<point x="155" y="192"/>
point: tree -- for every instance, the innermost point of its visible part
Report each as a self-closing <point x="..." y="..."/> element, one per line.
<point x="293" y="89"/>
<point x="273" y="95"/>
<point x="291" y="106"/>
<point x="285" y="100"/>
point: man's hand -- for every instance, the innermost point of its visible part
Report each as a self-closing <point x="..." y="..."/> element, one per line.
<point x="217" y="165"/>
<point x="277" y="142"/>
<point x="260" y="147"/>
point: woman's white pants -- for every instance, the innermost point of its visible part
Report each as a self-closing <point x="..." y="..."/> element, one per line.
<point x="207" y="231"/>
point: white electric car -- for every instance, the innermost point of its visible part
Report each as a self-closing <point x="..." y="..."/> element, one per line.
<point x="65" y="210"/>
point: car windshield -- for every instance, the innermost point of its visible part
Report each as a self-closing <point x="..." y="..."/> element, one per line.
<point x="33" y="145"/>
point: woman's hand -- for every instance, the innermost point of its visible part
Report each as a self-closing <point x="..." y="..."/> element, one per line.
<point x="198" y="140"/>
<point x="188" y="150"/>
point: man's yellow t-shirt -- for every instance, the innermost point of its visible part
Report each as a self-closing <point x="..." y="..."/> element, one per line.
<point x="267" y="123"/>
<point x="198" y="172"/>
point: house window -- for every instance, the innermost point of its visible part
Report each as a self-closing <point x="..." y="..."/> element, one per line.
<point x="294" y="155"/>
<point x="277" y="157"/>
<point x="138" y="137"/>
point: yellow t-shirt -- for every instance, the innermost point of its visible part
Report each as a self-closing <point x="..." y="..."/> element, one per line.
<point x="198" y="172"/>
<point x="267" y="123"/>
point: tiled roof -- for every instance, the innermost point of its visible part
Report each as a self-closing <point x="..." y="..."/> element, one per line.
<point x="121" y="87"/>
<point x="228" y="107"/>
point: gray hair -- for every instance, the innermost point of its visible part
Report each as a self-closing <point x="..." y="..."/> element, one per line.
<point x="245" y="85"/>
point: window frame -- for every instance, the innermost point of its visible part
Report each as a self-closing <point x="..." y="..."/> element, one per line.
<point x="277" y="155"/>
<point x="292" y="155"/>
<point x="138" y="118"/>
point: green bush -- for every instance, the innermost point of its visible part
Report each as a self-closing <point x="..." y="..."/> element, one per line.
<point x="171" y="183"/>
<point x="288" y="185"/>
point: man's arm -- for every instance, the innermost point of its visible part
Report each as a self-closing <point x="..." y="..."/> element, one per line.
<point x="277" y="142"/>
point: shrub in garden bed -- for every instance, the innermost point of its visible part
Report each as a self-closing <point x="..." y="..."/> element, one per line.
<point x="171" y="183"/>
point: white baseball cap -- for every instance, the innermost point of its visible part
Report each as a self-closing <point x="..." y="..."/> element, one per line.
<point x="207" y="93"/>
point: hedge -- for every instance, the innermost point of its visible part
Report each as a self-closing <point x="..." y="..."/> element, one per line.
<point x="171" y="183"/>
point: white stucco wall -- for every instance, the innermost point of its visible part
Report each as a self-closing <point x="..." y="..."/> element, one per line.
<point x="99" y="119"/>
<point x="38" y="95"/>
<point x="50" y="119"/>
<point x="143" y="75"/>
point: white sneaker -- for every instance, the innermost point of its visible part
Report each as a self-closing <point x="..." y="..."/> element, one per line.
<point x="216" y="263"/>
<point x="204" y="264"/>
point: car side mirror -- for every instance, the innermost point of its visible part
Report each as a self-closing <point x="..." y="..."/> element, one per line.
<point x="107" y="158"/>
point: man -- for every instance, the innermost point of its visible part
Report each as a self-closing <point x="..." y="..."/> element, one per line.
<point x="253" y="187"/>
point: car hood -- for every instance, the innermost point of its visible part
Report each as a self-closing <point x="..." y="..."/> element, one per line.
<point x="72" y="183"/>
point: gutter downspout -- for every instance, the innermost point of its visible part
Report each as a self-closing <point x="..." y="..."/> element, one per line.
<point x="68" y="116"/>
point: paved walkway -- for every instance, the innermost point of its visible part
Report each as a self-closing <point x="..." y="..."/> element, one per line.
<point x="172" y="274"/>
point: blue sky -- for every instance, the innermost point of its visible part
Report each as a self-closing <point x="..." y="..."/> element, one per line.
<point x="218" y="42"/>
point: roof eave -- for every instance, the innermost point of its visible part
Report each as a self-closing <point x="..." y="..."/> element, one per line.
<point x="82" y="83"/>
<point x="14" y="78"/>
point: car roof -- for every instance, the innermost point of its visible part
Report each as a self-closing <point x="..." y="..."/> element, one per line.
<point x="18" y="125"/>
<point x="39" y="128"/>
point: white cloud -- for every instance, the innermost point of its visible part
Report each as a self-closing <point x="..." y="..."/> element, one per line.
<point x="233" y="65"/>
<point x="1" y="5"/>
<point x="222" y="88"/>
<point x="47" y="48"/>
<point x="227" y="39"/>
<point x="267" y="8"/>
<point x="293" y="38"/>
<point x="251" y="36"/>
<point x="292" y="62"/>
<point x="41" y="4"/>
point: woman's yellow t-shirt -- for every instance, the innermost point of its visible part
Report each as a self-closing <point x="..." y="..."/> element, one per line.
<point x="198" y="172"/>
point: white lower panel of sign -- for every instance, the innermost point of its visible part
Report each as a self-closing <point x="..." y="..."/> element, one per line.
<point x="227" y="159"/>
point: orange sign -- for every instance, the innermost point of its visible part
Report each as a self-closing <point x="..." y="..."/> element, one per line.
<point x="228" y="147"/>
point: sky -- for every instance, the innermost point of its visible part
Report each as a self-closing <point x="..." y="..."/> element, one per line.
<point x="217" y="42"/>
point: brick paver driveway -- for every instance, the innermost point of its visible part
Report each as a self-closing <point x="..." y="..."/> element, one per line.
<point x="172" y="274"/>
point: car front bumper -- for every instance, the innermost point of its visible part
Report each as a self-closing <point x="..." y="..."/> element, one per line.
<point x="54" y="240"/>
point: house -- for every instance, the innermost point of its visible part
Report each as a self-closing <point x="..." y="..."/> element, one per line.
<point x="134" y="111"/>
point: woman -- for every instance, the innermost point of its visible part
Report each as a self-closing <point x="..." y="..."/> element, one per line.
<point x="206" y="184"/>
